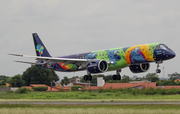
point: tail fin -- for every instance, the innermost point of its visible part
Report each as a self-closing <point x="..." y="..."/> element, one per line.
<point x="39" y="46"/>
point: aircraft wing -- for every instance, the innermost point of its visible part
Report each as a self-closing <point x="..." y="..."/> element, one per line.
<point x="52" y="59"/>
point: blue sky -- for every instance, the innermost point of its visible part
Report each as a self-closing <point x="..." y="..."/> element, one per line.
<point x="69" y="27"/>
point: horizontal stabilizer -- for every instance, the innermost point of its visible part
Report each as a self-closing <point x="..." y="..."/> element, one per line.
<point x="30" y="63"/>
<point x="65" y="61"/>
<point x="15" y="54"/>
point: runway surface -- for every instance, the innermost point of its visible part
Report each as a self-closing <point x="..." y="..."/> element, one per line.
<point x="91" y="103"/>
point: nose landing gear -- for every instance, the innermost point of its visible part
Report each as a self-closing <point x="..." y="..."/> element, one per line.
<point x="158" y="70"/>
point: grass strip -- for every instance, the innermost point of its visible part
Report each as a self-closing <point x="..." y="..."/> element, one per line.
<point x="84" y="95"/>
<point x="89" y="109"/>
<point x="129" y="106"/>
<point x="89" y="100"/>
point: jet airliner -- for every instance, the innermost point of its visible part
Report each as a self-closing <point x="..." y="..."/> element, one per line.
<point x="137" y="58"/>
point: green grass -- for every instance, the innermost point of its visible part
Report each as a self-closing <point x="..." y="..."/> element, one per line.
<point x="84" y="95"/>
<point x="88" y="109"/>
<point x="79" y="96"/>
<point x="144" y="106"/>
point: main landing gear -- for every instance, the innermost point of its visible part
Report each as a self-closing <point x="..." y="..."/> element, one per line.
<point x="158" y="70"/>
<point x="117" y="76"/>
<point x="87" y="77"/>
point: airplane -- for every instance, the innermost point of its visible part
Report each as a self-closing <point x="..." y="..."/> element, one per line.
<point x="137" y="58"/>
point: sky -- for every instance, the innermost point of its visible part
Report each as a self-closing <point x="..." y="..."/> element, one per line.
<point x="76" y="26"/>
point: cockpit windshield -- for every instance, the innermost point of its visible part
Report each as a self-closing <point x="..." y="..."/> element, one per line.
<point x="163" y="46"/>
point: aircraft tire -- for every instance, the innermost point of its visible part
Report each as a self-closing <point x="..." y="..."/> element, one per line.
<point x="114" y="77"/>
<point x="158" y="70"/>
<point x="119" y="77"/>
<point x="89" y="77"/>
<point x="85" y="77"/>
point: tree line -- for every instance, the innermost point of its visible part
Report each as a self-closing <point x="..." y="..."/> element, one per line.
<point x="152" y="77"/>
<point x="32" y="75"/>
<point x="37" y="75"/>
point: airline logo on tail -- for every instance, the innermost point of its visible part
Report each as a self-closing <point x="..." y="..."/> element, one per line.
<point x="40" y="49"/>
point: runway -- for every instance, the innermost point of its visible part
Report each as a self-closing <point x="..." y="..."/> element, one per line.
<point x="92" y="103"/>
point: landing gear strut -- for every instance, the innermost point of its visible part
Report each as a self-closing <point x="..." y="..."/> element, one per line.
<point x="158" y="70"/>
<point x="87" y="77"/>
<point x="117" y="76"/>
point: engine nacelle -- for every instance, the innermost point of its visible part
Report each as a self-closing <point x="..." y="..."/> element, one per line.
<point x="139" y="68"/>
<point x="97" y="66"/>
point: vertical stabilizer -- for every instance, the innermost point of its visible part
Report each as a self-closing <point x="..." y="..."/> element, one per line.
<point x="39" y="46"/>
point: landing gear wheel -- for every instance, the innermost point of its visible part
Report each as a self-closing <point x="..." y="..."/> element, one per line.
<point x="85" y="77"/>
<point x="116" y="77"/>
<point x="158" y="70"/>
<point x="90" y="77"/>
<point x="119" y="77"/>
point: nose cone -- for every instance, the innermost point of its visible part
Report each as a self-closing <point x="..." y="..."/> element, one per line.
<point x="162" y="52"/>
<point x="170" y="54"/>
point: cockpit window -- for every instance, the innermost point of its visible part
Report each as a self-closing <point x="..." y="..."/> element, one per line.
<point x="163" y="46"/>
<point x="158" y="47"/>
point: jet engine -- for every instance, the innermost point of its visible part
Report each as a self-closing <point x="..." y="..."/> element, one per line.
<point x="139" y="68"/>
<point x="97" y="66"/>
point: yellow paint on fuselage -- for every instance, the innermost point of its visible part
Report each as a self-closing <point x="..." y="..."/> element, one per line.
<point x="145" y="49"/>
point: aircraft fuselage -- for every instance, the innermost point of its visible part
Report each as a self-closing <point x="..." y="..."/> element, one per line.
<point x="118" y="57"/>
